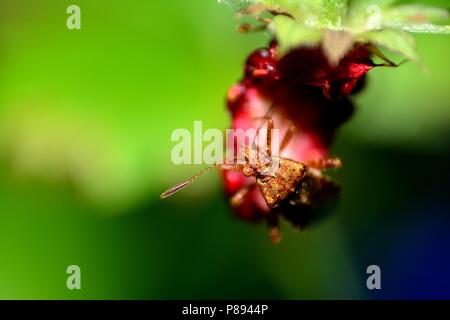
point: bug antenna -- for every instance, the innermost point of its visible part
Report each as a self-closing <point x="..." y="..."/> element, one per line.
<point x="184" y="184"/>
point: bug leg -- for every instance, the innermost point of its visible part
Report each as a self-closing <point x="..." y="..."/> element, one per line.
<point x="255" y="144"/>
<point x="287" y="137"/>
<point x="275" y="234"/>
<point x="274" y="228"/>
<point x="238" y="198"/>
<point x="325" y="163"/>
<point x="269" y="137"/>
<point x="304" y="197"/>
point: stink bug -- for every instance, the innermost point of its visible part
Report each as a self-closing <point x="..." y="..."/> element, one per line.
<point x="279" y="179"/>
<point x="276" y="177"/>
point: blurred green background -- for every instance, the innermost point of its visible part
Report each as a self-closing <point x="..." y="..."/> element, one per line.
<point x="85" y="124"/>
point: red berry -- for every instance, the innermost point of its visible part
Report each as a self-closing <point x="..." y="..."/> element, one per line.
<point x="302" y="89"/>
<point x="261" y="64"/>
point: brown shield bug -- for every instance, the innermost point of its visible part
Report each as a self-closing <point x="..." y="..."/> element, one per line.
<point x="278" y="179"/>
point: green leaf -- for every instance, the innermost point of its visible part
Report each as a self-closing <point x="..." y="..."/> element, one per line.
<point x="364" y="15"/>
<point x="289" y="6"/>
<point x="333" y="14"/>
<point x="420" y="28"/>
<point x="416" y="18"/>
<point x="291" y="34"/>
<point x="359" y="7"/>
<point x="396" y="41"/>
<point x="324" y="13"/>
<point x="235" y="4"/>
<point x="415" y="13"/>
<point x="339" y="23"/>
